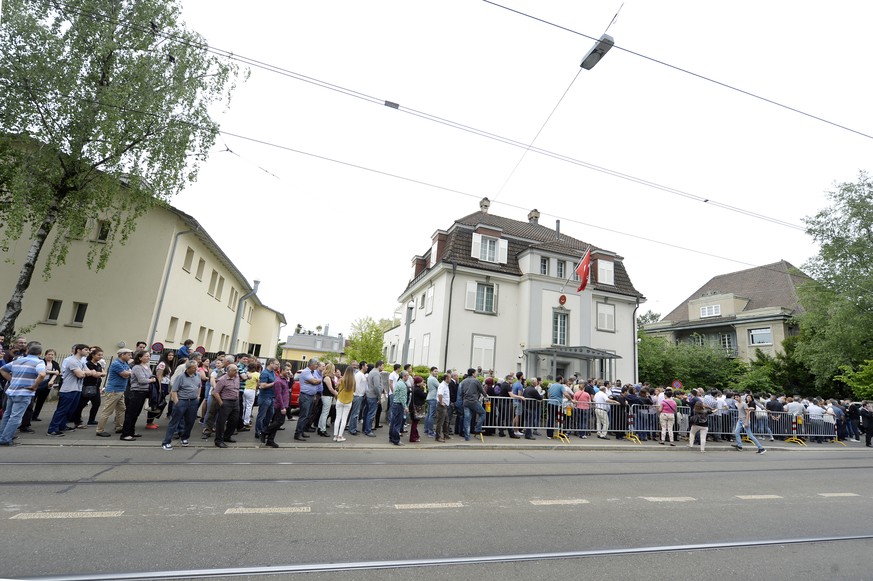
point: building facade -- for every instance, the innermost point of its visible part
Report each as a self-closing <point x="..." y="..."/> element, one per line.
<point x="739" y="312"/>
<point x="170" y="282"/>
<point x="500" y="294"/>
<point x="306" y="345"/>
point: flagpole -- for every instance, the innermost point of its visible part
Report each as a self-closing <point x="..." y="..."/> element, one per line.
<point x="574" y="268"/>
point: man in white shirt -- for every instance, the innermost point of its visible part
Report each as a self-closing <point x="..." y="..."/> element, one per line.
<point x="602" y="400"/>
<point x="444" y="400"/>
<point x="392" y="377"/>
<point x="360" y="393"/>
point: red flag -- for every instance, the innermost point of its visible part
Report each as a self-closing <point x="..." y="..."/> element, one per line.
<point x="584" y="269"/>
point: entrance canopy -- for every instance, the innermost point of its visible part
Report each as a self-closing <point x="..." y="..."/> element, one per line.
<point x="579" y="353"/>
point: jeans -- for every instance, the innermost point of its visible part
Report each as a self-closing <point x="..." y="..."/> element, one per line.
<point x="739" y="429"/>
<point x="551" y="420"/>
<point x="135" y="402"/>
<point x="272" y="428"/>
<point x="372" y="407"/>
<point x="695" y="431"/>
<point x="228" y="414"/>
<point x="184" y="414"/>
<point x="42" y="394"/>
<point x="390" y="409"/>
<point x="306" y="402"/>
<point x="94" y="400"/>
<point x="471" y="407"/>
<point x="355" y="414"/>
<point x="16" y="405"/>
<point x="342" y="416"/>
<point x="265" y="410"/>
<point x="326" y="404"/>
<point x="429" y="419"/>
<point x="67" y="402"/>
<point x="396" y="424"/>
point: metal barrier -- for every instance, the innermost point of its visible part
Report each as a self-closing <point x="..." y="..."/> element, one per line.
<point x="640" y="423"/>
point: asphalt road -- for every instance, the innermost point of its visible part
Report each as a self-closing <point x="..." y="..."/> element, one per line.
<point x="459" y="513"/>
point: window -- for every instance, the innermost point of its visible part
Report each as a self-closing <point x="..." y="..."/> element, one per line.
<point x="53" y="310"/>
<point x="189" y="260"/>
<point x="104" y="228"/>
<point x="727" y="341"/>
<point x="411" y="353"/>
<point x="414" y="309"/>
<point x="221" y="342"/>
<point x="186" y="331"/>
<point x="220" y="288"/>
<point x="605" y="271"/>
<point x="251" y="311"/>
<point x="428" y="301"/>
<point x="544" y="266"/>
<point x="559" y="328"/>
<point x="421" y="301"/>
<point x="425" y="349"/>
<point x="489" y="249"/>
<point x="561" y="265"/>
<point x="201" y="266"/>
<point x="481" y="297"/>
<point x="605" y="317"/>
<point x="79" y="310"/>
<point x="213" y="280"/>
<point x="201" y="335"/>
<point x="209" y="334"/>
<point x="171" y="329"/>
<point x="710" y="311"/>
<point x="232" y="299"/>
<point x="698" y="340"/>
<point x="760" y="336"/>
<point x="393" y="356"/>
<point x="255" y="349"/>
<point x="483" y="352"/>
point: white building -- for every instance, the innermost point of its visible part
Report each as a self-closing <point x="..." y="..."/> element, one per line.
<point x="492" y="292"/>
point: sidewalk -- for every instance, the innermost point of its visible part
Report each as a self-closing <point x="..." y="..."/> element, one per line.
<point x="285" y="439"/>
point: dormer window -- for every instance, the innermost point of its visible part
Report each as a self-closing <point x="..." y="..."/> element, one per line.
<point x="710" y="311"/>
<point x="489" y="248"/>
<point x="605" y="272"/>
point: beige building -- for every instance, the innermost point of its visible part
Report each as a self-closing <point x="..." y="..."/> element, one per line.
<point x="306" y="345"/>
<point x="739" y="312"/>
<point x="169" y="283"/>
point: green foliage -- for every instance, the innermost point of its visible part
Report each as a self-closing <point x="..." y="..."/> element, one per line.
<point x="647" y="317"/>
<point x="365" y="341"/>
<point x="837" y="323"/>
<point x="695" y="366"/>
<point x="104" y="111"/>
<point x="860" y="380"/>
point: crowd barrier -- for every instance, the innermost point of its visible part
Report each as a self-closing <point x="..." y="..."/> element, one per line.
<point x="639" y="423"/>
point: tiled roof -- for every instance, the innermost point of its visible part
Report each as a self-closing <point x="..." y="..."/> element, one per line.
<point x="771" y="285"/>
<point x="521" y="236"/>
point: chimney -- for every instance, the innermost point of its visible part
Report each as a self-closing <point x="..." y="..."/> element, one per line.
<point x="533" y="217"/>
<point x="418" y="265"/>
<point x="439" y="241"/>
<point x="484" y="205"/>
<point x="557" y="229"/>
<point x="327" y="330"/>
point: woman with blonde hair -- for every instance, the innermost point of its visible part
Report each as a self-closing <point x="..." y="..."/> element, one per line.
<point x="327" y="394"/>
<point x="345" y="395"/>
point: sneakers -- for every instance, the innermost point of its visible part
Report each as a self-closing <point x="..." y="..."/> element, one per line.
<point x="167" y="446"/>
<point x="152" y="426"/>
<point x="737" y="448"/>
<point x="761" y="451"/>
<point x="55" y="434"/>
<point x="340" y="439"/>
<point x="185" y="443"/>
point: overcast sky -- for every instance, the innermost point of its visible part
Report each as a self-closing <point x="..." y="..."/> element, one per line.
<point x="332" y="243"/>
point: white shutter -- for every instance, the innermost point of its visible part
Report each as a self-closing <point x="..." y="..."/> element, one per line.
<point x="470" y="301"/>
<point x="502" y="250"/>
<point x="477" y="246"/>
<point x="428" y="309"/>
<point x="433" y="256"/>
<point x="494" y="306"/>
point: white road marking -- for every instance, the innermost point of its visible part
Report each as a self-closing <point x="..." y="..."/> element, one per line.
<point x="837" y="494"/>
<point x="42" y="515"/>
<point x="559" y="502"/>
<point x="428" y="505"/>
<point x="270" y="510"/>
<point x="668" y="498"/>
<point x="758" y="496"/>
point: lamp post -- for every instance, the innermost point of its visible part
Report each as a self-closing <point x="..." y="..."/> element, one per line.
<point x="594" y="55"/>
<point x="409" y="306"/>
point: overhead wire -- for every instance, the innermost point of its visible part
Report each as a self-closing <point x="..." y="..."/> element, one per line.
<point x="424" y="115"/>
<point x="685" y="71"/>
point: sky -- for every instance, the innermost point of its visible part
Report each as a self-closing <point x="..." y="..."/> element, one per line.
<point x="332" y="243"/>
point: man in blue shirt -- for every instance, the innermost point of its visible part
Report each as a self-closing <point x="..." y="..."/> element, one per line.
<point x="310" y="382"/>
<point x="184" y="351"/>
<point x="113" y="394"/>
<point x="265" y="398"/>
<point x="23" y="376"/>
<point x="517" y="394"/>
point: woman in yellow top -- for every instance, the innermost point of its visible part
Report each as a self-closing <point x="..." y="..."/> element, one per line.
<point x="345" y="395"/>
<point x="251" y="387"/>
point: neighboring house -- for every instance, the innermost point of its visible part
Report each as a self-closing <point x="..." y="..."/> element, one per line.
<point x="304" y="346"/>
<point x="738" y="312"/>
<point x="493" y="292"/>
<point x="170" y="282"/>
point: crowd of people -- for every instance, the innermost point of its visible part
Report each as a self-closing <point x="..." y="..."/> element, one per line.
<point x="218" y="398"/>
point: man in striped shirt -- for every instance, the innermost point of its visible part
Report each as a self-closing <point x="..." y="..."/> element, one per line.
<point x="24" y="376"/>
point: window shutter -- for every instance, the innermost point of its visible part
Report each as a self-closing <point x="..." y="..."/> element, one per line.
<point x="502" y="251"/>
<point x="428" y="309"/>
<point x="433" y="256"/>
<point x="470" y="302"/>
<point x="494" y="307"/>
<point x="477" y="246"/>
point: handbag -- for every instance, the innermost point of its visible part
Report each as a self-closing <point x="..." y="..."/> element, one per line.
<point x="89" y="390"/>
<point x="419" y="413"/>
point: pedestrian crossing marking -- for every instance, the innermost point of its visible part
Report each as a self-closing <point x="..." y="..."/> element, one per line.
<point x="668" y="498"/>
<point x="47" y="515"/>
<point x="563" y="501"/>
<point x="758" y="496"/>
<point x="428" y="505"/>
<point x="268" y="510"/>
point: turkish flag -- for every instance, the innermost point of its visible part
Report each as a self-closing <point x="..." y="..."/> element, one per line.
<point x="584" y="269"/>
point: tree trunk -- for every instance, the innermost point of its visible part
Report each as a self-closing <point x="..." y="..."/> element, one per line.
<point x="14" y="306"/>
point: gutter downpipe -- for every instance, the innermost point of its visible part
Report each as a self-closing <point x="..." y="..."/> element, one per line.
<point x="240" y="314"/>
<point x="636" y="342"/>
<point x="449" y="318"/>
<point x="164" y="286"/>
